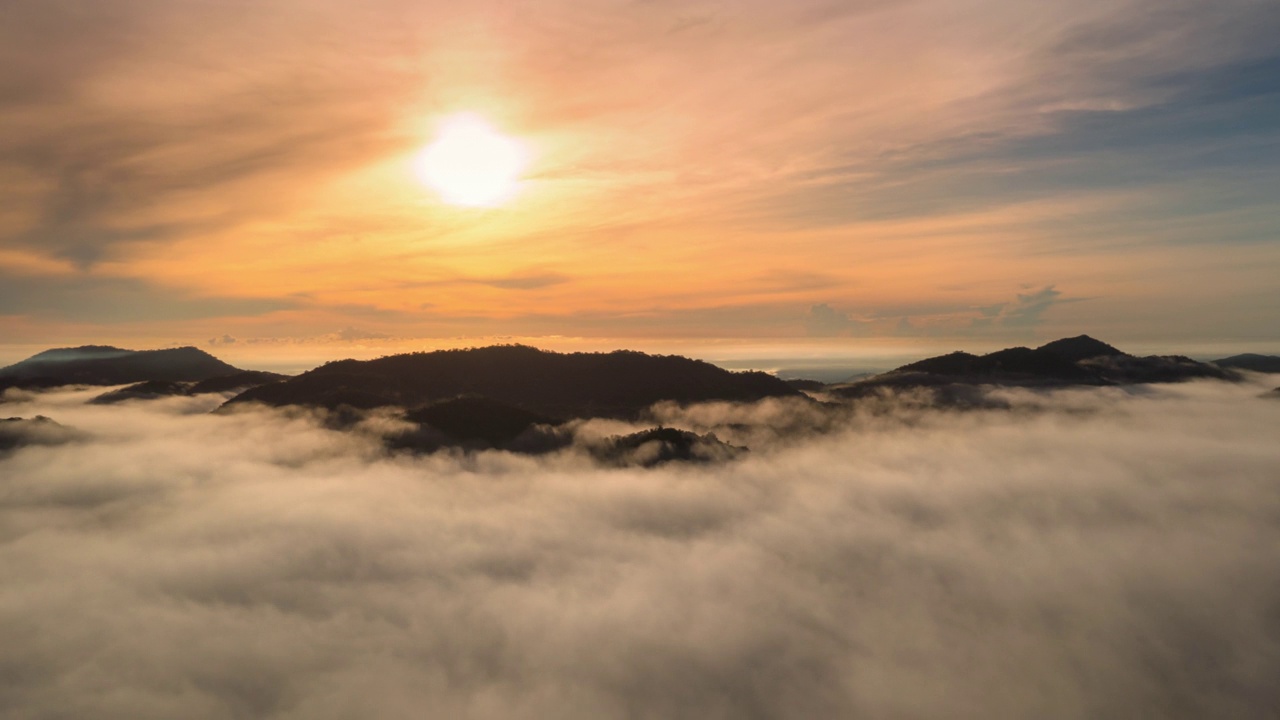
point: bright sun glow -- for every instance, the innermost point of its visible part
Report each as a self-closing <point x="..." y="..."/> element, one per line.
<point x="471" y="163"/>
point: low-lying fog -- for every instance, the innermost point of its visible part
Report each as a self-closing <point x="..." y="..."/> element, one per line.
<point x="1087" y="554"/>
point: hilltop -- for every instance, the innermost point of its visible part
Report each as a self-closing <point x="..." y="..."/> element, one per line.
<point x="155" y="389"/>
<point x="1080" y="360"/>
<point x="105" y="365"/>
<point x="555" y="385"/>
<point x="1251" y="361"/>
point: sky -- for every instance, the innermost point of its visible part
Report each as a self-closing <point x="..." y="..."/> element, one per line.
<point x="752" y="178"/>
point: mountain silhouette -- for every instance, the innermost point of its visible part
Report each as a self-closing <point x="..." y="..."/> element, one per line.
<point x="1080" y="347"/>
<point x="1004" y="363"/>
<point x="154" y="389"/>
<point x="661" y="445"/>
<point x="477" y="421"/>
<point x="148" y="390"/>
<point x="1251" y="361"/>
<point x="804" y="385"/>
<point x="242" y="380"/>
<point x="16" y="432"/>
<point x="1080" y="360"/>
<point x="555" y="385"/>
<point x="104" y="365"/>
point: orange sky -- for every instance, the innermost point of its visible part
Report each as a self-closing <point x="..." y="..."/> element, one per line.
<point x="754" y="174"/>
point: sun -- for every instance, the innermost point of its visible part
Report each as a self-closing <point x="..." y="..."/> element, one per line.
<point x="471" y="163"/>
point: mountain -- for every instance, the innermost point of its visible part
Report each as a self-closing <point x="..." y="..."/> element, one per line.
<point x="661" y="445"/>
<point x="805" y="385"/>
<point x="242" y="380"/>
<point x="1058" y="360"/>
<point x="16" y="432"/>
<point x="469" y="422"/>
<point x="556" y="385"/>
<point x="478" y="418"/>
<point x="1080" y="347"/>
<point x="1040" y="363"/>
<point x="1080" y="360"/>
<point x="1251" y="361"/>
<point x="103" y="365"/>
<point x="148" y="390"/>
<point x="1131" y="370"/>
<point x="154" y="389"/>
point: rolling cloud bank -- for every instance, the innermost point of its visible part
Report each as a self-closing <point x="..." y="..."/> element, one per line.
<point x="1084" y="553"/>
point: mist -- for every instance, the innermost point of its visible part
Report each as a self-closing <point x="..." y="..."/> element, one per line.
<point x="1095" y="553"/>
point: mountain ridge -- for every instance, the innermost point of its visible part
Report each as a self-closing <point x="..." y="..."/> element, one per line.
<point x="107" y="365"/>
<point x="1079" y="360"/>
<point x="621" y="383"/>
<point x="1251" y="361"/>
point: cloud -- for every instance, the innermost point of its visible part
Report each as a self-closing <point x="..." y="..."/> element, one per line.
<point x="1089" y="552"/>
<point x="825" y="321"/>
<point x="1024" y="312"/>
<point x="84" y="297"/>
<point x="532" y="281"/>
<point x="1015" y="317"/>
<point x="174" y="139"/>
<point x="351" y="334"/>
<point x="133" y="119"/>
<point x="524" y="280"/>
<point x="1140" y="98"/>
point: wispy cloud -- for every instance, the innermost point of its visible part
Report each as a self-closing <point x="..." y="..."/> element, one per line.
<point x="81" y="297"/>
<point x="699" y="156"/>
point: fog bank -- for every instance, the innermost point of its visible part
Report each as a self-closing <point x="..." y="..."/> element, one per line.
<point x="1092" y="553"/>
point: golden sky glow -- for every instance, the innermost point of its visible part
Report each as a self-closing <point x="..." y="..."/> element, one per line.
<point x="471" y="163"/>
<point x="757" y="172"/>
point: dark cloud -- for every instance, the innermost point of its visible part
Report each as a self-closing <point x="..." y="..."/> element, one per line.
<point x="90" y="298"/>
<point x="1152" y="96"/>
<point x="1092" y="553"/>
<point x="126" y="117"/>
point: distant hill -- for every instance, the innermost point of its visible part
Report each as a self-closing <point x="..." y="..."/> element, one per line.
<point x="16" y="432"/>
<point x="1010" y="362"/>
<point x="477" y="423"/>
<point x="1080" y="347"/>
<point x="661" y="445"/>
<point x="1251" y="361"/>
<point x="148" y="390"/>
<point x="242" y="380"/>
<point x="554" y="385"/>
<point x="805" y="385"/>
<point x="1080" y="360"/>
<point x="103" y="365"/>
<point x="155" y="389"/>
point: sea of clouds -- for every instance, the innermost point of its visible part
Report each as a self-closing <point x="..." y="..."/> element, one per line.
<point x="1095" y="553"/>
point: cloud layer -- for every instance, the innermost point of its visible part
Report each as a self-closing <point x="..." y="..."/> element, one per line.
<point x="1087" y="554"/>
